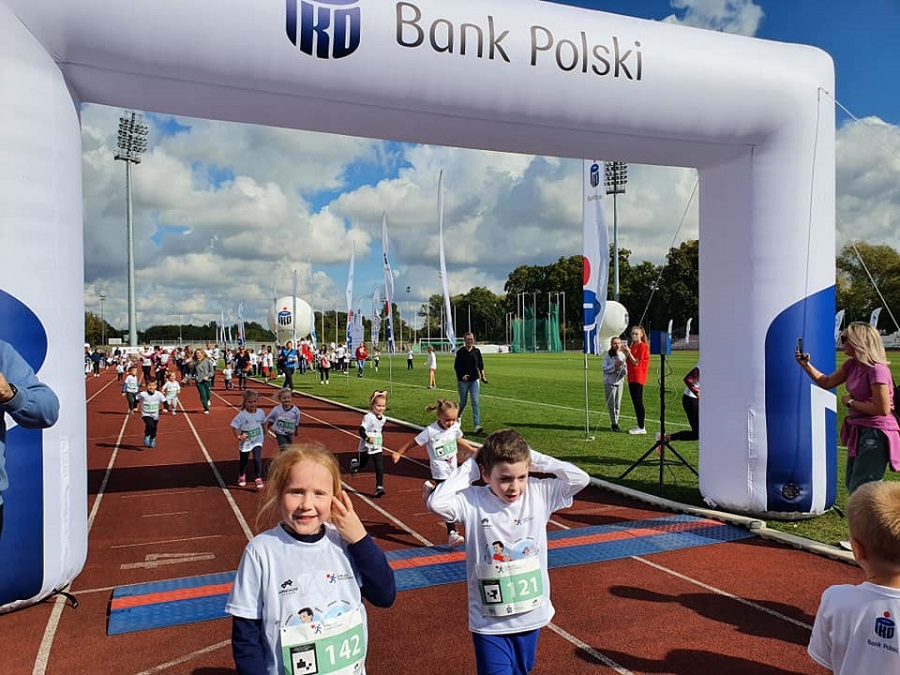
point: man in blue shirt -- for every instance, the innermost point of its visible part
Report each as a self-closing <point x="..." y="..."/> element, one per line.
<point x="25" y="399"/>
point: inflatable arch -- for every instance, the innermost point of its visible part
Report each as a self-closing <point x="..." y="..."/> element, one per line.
<point x="509" y="75"/>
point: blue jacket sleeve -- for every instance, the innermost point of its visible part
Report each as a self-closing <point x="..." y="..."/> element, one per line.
<point x="248" y="646"/>
<point x="378" y="584"/>
<point x="35" y="406"/>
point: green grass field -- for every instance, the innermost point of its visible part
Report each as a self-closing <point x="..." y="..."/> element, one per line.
<point x="543" y="397"/>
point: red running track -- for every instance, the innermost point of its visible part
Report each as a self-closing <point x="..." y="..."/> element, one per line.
<point x="740" y="607"/>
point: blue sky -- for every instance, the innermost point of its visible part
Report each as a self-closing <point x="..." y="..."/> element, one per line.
<point x="225" y="211"/>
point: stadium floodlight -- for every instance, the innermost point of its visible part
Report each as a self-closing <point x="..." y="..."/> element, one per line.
<point x="132" y="143"/>
<point x="615" y="178"/>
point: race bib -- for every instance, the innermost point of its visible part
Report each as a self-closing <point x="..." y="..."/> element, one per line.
<point x="333" y="647"/>
<point x="285" y="426"/>
<point x="254" y="434"/>
<point x="445" y="450"/>
<point x="508" y="588"/>
<point x="375" y="445"/>
<point x="150" y="408"/>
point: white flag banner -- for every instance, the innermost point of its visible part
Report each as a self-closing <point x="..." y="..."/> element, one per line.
<point x="221" y="336"/>
<point x="669" y="329"/>
<point x="294" y="310"/>
<point x="448" y="322"/>
<point x="312" y="312"/>
<point x="596" y="255"/>
<point x="873" y="319"/>
<point x="838" y="320"/>
<point x="349" y="295"/>
<point x="687" y="331"/>
<point x="376" y="315"/>
<point x="240" y="323"/>
<point x="388" y="284"/>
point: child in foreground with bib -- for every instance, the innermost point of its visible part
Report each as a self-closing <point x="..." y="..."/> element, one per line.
<point x="297" y="596"/>
<point x="442" y="439"/>
<point x="370" y="440"/>
<point x="285" y="417"/>
<point x="509" y="596"/>
<point x="247" y="427"/>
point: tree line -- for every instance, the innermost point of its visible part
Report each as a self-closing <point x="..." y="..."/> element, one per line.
<point x="653" y="294"/>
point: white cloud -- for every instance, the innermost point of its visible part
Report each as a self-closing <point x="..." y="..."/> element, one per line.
<point x="742" y="17"/>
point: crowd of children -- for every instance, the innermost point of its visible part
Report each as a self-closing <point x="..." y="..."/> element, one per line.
<point x="489" y="502"/>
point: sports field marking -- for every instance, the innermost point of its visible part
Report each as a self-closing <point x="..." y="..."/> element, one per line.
<point x="112" y="460"/>
<point x="184" y="659"/>
<point x="225" y="491"/>
<point x="165" y="541"/>
<point x="583" y="646"/>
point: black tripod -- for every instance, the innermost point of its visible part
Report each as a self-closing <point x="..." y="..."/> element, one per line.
<point x="661" y="443"/>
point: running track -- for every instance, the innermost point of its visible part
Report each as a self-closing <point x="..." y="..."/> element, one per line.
<point x="175" y="511"/>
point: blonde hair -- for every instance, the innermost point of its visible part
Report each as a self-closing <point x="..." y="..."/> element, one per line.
<point x="280" y="472"/>
<point x="501" y="446"/>
<point x="873" y="513"/>
<point x="640" y="328"/>
<point x="282" y="392"/>
<point x="442" y="405"/>
<point x="867" y="345"/>
<point x="248" y="394"/>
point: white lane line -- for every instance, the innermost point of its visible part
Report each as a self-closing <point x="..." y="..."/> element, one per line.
<point x="403" y="526"/>
<point x="101" y="390"/>
<point x="184" y="659"/>
<point x="43" y="655"/>
<point x="164" y="541"/>
<point x="212" y="465"/>
<point x="719" y="591"/>
<point x="160" y="515"/>
<point x="103" y="484"/>
<point x="583" y="646"/>
<point x="156" y="494"/>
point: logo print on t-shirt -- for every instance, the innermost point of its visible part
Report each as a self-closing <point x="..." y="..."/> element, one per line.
<point x="884" y="626"/>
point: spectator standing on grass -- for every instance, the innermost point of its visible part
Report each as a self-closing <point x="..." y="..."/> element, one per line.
<point x="409" y="357"/>
<point x="431" y="364"/>
<point x="638" y="357"/>
<point x="469" y="367"/>
<point x="869" y="431"/>
<point x="614" y="372"/>
<point x="855" y="631"/>
<point x="29" y="403"/>
<point x="362" y="354"/>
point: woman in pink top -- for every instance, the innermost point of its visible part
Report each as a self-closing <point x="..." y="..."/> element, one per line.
<point x="870" y="431"/>
<point x="638" y="357"/>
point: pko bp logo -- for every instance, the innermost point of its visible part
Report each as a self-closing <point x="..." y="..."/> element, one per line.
<point x="284" y="318"/>
<point x="326" y="29"/>
<point x="595" y="174"/>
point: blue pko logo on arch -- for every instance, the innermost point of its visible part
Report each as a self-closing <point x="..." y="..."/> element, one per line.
<point x="326" y="29"/>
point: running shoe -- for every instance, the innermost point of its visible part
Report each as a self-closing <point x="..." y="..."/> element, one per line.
<point x="259" y="483"/>
<point x="379" y="492"/>
<point x="354" y="466"/>
<point x="427" y="489"/>
<point x="637" y="431"/>
<point x="242" y="480"/>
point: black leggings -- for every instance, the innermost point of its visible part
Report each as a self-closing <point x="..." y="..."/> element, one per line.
<point x="378" y="459"/>
<point x="257" y="461"/>
<point x="150" y="424"/>
<point x="691" y="407"/>
<point x="637" y="400"/>
<point x="289" y="378"/>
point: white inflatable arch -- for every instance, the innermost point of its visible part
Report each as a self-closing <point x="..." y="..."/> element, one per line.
<point x="509" y="75"/>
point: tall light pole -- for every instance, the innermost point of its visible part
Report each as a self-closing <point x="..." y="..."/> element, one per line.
<point x="132" y="143"/>
<point x="102" y="321"/>
<point x="615" y="179"/>
<point x="408" y="317"/>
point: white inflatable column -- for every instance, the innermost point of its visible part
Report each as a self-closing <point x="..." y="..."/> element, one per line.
<point x="44" y="540"/>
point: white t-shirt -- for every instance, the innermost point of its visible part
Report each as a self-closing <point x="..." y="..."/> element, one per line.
<point x="279" y="576"/>
<point x="284" y="421"/>
<point x="441" y="446"/>
<point x="150" y="403"/>
<point x="373" y="426"/>
<point x="855" y="632"/>
<point x="432" y="361"/>
<point x="132" y="384"/>
<point x="520" y="529"/>
<point x="250" y="424"/>
<point x="171" y="389"/>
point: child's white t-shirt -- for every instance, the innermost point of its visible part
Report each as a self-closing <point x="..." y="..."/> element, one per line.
<point x="855" y="631"/>
<point x="250" y="424"/>
<point x="150" y="403"/>
<point x="373" y="426"/>
<point x="284" y="422"/>
<point x="132" y="384"/>
<point x="279" y="576"/>
<point x="432" y="361"/>
<point x="520" y="529"/>
<point x="171" y="389"/>
<point x="227" y="373"/>
<point x="441" y="446"/>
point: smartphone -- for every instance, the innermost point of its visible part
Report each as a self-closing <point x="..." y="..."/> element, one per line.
<point x="799" y="345"/>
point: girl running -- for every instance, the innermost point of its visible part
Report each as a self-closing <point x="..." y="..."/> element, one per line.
<point x="248" y="430"/>
<point x="285" y="417"/>
<point x="442" y="439"/>
<point x="150" y="401"/>
<point x="370" y="440"/>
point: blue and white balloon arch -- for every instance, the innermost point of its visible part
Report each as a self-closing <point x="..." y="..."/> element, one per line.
<point x="508" y="75"/>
